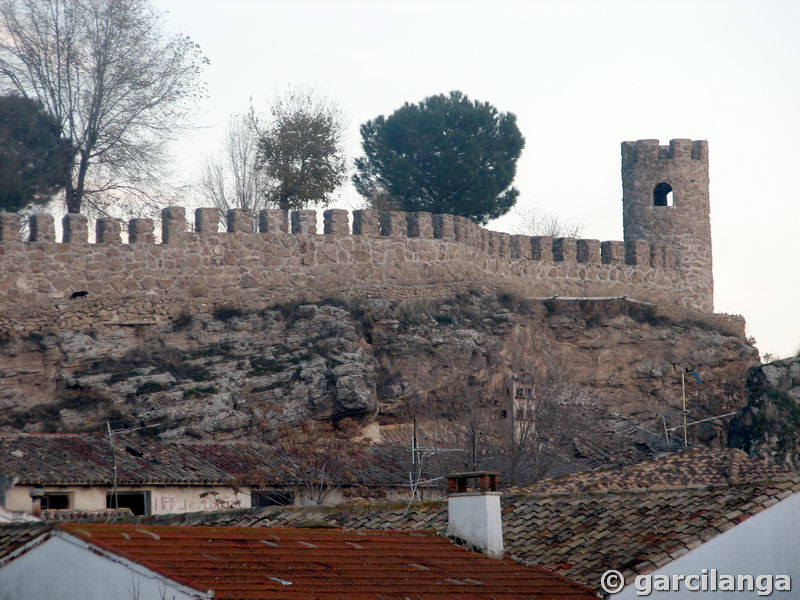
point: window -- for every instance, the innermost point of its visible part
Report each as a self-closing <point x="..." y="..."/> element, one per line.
<point x="662" y="195"/>
<point x="56" y="501"/>
<point x="138" y="502"/>
<point x="271" y="498"/>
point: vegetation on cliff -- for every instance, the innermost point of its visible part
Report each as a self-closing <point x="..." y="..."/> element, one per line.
<point x="598" y="377"/>
<point x="769" y="426"/>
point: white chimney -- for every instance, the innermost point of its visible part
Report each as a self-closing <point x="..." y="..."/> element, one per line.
<point x="473" y="511"/>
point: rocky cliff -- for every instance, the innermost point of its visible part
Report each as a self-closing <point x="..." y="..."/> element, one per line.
<point x="236" y="371"/>
<point x="769" y="425"/>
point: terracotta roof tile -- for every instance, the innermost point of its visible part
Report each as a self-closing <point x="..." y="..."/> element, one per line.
<point x="579" y="534"/>
<point x="582" y="532"/>
<point x="253" y="563"/>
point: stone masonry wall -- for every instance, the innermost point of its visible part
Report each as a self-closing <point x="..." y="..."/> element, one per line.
<point x="685" y="226"/>
<point x="390" y="248"/>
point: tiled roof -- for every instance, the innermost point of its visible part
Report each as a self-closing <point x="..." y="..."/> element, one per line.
<point x="633" y="531"/>
<point x="687" y="468"/>
<point x="430" y="515"/>
<point x="633" y="520"/>
<point x="86" y="459"/>
<point x="628" y="526"/>
<point x="73" y="514"/>
<point x="320" y="564"/>
<point x="13" y="535"/>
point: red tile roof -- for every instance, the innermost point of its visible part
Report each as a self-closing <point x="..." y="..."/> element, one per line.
<point x="635" y="519"/>
<point x="322" y="564"/>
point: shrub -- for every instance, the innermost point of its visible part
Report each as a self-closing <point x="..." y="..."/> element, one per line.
<point x="150" y="387"/>
<point x="182" y="321"/>
<point x="226" y="313"/>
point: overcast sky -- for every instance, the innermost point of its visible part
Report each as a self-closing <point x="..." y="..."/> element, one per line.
<point x="581" y="77"/>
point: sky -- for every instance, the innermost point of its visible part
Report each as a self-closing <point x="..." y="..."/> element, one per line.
<point x="581" y="77"/>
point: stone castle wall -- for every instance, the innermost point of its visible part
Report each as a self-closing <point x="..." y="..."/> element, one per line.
<point x="390" y="248"/>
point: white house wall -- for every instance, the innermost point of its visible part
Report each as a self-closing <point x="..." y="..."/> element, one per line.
<point x="83" y="498"/>
<point x="163" y="499"/>
<point x="182" y="499"/>
<point x="66" y="568"/>
<point x="765" y="544"/>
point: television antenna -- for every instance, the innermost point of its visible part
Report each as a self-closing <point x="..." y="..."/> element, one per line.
<point x="418" y="453"/>
<point x="111" y="434"/>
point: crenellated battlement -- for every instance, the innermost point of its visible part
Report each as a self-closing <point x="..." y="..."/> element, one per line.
<point x="336" y="222"/>
<point x="276" y="249"/>
<point x="665" y="258"/>
<point x="650" y="150"/>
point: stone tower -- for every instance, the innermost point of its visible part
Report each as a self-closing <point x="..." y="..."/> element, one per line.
<point x="665" y="201"/>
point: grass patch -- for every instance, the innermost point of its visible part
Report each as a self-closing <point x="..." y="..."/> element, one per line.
<point x="82" y="398"/>
<point x="414" y="312"/>
<point x="49" y="416"/>
<point x="337" y="302"/>
<point x="117" y="377"/>
<point x="150" y="387"/>
<point x="226" y="313"/>
<point x="444" y="319"/>
<point x="263" y="366"/>
<point x="187" y="370"/>
<point x="219" y="349"/>
<point x="266" y="388"/>
<point x="507" y="300"/>
<point x="287" y="310"/>
<point x="182" y="321"/>
<point x="200" y="391"/>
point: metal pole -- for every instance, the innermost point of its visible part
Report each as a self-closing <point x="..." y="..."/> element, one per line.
<point x="683" y="391"/>
<point x="474" y="449"/>
<point x="114" y="459"/>
<point x="414" y="451"/>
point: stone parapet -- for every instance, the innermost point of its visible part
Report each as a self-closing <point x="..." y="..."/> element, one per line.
<point x="390" y="247"/>
<point x="240" y="220"/>
<point x="9" y="227"/>
<point x="108" y="231"/>
<point x="42" y="228"/>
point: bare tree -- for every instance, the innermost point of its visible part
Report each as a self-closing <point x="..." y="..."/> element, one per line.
<point x="534" y="221"/>
<point x="301" y="151"/>
<point x="546" y="417"/>
<point x="232" y="179"/>
<point x="527" y="431"/>
<point x="115" y="82"/>
<point x="317" y="459"/>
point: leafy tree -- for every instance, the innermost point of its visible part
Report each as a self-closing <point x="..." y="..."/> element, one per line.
<point x="115" y="82"/>
<point x="301" y="152"/>
<point x="34" y="159"/>
<point x="232" y="178"/>
<point x="446" y="154"/>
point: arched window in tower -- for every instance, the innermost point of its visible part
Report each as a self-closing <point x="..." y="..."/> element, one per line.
<point x="662" y="195"/>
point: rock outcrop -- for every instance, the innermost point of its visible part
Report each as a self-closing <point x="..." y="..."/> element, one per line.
<point x="770" y="423"/>
<point x="236" y="372"/>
